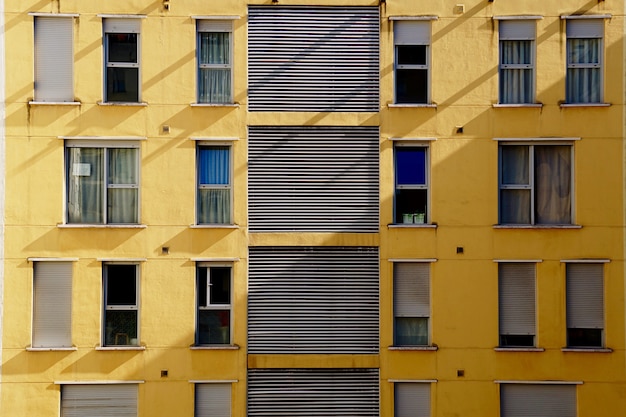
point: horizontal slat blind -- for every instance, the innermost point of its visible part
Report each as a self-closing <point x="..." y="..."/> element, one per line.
<point x="110" y="400"/>
<point x="313" y="392"/>
<point x="215" y="25"/>
<point x="411" y="32"/>
<point x="517" y="29"/>
<point x="313" y="300"/>
<point x="516" y="298"/>
<point x="54" y="59"/>
<point x="411" y="399"/>
<point x="213" y="400"/>
<point x="313" y="59"/>
<point x="318" y="179"/>
<point x="52" y="304"/>
<point x="585" y="28"/>
<point x="411" y="289"/>
<point x="537" y="400"/>
<point x="585" y="296"/>
<point x="117" y="25"/>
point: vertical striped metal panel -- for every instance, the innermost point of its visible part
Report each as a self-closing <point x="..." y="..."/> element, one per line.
<point x="516" y="298"/>
<point x="317" y="179"/>
<point x="54" y="59"/>
<point x="102" y="400"/>
<point x="537" y="400"/>
<point x="313" y="59"/>
<point x="213" y="400"/>
<point x="411" y="399"/>
<point x="313" y="300"/>
<point x="313" y="392"/>
<point x="52" y="304"/>
<point x="411" y="289"/>
<point x="585" y="296"/>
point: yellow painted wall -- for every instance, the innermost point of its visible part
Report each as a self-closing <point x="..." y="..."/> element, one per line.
<point x="463" y="195"/>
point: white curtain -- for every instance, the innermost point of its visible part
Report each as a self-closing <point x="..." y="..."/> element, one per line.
<point x="85" y="185"/>
<point x="516" y="84"/>
<point x="553" y="184"/>
<point x="122" y="186"/>
<point x="214" y="72"/>
<point x="583" y="80"/>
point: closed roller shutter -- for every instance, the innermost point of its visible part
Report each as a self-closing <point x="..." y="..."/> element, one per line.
<point x="313" y="300"/>
<point x="517" y="30"/>
<point x="117" y="25"/>
<point x="54" y="59"/>
<point x="313" y="59"/>
<point x="411" y="399"/>
<point x="411" y="289"/>
<point x="317" y="179"/>
<point x="110" y="400"/>
<point x="537" y="400"/>
<point x="212" y="400"/>
<point x="516" y="296"/>
<point x="585" y="28"/>
<point x="313" y="392"/>
<point x="585" y="296"/>
<point x="52" y="304"/>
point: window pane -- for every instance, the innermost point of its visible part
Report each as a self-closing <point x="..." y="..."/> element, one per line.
<point x="514" y="165"/>
<point x="122" y="47"/>
<point x="123" y="84"/>
<point x="583" y="51"/>
<point x="584" y="337"/>
<point x="122" y="166"/>
<point x="220" y="285"/>
<point x="214" y="48"/>
<point x="583" y="85"/>
<point x="85" y="185"/>
<point x="410" y="165"/>
<point x="214" y="85"/>
<point x="411" y="331"/>
<point x="516" y="86"/>
<point x="121" y="285"/>
<point x="214" y="165"/>
<point x="411" y="86"/>
<point x="510" y="340"/>
<point x="515" y="206"/>
<point x="120" y="327"/>
<point x="202" y="287"/>
<point x="411" y="54"/>
<point x="408" y="203"/>
<point x="552" y="184"/>
<point x="213" y="327"/>
<point x="515" y="52"/>
<point x="214" y="206"/>
<point x="122" y="205"/>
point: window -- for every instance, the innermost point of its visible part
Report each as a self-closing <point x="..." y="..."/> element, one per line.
<point x="411" y="303"/>
<point x="585" y="305"/>
<point x="412" y="61"/>
<point x="52" y="305"/>
<point x="214" y="304"/>
<point x="517" y="61"/>
<point x="516" y="304"/>
<point x="537" y="400"/>
<point x="214" y="61"/>
<point x="99" y="400"/>
<point x="102" y="182"/>
<point x="411" y="191"/>
<point x="214" y="185"/>
<point x="54" y="59"/>
<point x="411" y="399"/>
<point x="121" y="306"/>
<point x="535" y="184"/>
<point x="584" y="60"/>
<point x="121" y="57"/>
<point x="213" y="400"/>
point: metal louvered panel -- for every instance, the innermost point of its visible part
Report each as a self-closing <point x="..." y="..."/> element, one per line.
<point x="313" y="300"/>
<point x="210" y="25"/>
<point x="537" y="400"/>
<point x="313" y="59"/>
<point x="406" y="32"/>
<point x="411" y="289"/>
<point x="585" y="28"/>
<point x="411" y="399"/>
<point x="110" y="400"/>
<point x="585" y="296"/>
<point x="213" y="400"/>
<point x="52" y="304"/>
<point x="313" y="392"/>
<point x="516" y="298"/>
<point x="318" y="179"/>
<point x="517" y="29"/>
<point x="54" y="59"/>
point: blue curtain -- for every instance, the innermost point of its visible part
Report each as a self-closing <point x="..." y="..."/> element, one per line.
<point x="214" y="185"/>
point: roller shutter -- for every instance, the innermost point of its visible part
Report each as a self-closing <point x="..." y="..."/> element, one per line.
<point x="585" y="28"/>
<point x="537" y="400"/>
<point x="110" y="400"/>
<point x="213" y="400"/>
<point x="411" y="399"/>
<point x="317" y="179"/>
<point x="517" y="30"/>
<point x="313" y="300"/>
<point x="313" y="392"/>
<point x="585" y="296"/>
<point x="411" y="289"/>
<point x="315" y="59"/>
<point x="54" y="59"/>
<point x="516" y="297"/>
<point x="52" y="304"/>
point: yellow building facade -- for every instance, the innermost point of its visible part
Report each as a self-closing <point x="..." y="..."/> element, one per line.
<point x="294" y="207"/>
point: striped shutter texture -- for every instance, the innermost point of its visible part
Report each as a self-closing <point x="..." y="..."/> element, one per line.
<point x="52" y="304"/>
<point x="117" y="25"/>
<point x="585" y="296"/>
<point x="537" y="400"/>
<point x="313" y="59"/>
<point x="110" y="400"/>
<point x="54" y="59"/>
<point x="313" y="300"/>
<point x="516" y="298"/>
<point x="316" y="179"/>
<point x="585" y="28"/>
<point x="411" y="289"/>
<point x="411" y="399"/>
<point x="313" y="392"/>
<point x="411" y="33"/>
<point x="210" y="25"/>
<point x="213" y="400"/>
<point x="517" y="30"/>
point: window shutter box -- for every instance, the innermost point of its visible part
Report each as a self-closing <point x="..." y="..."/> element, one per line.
<point x="412" y="399"/>
<point x="585" y="28"/>
<point x="54" y="59"/>
<point x="411" y="292"/>
<point x="411" y="33"/>
<point x="213" y="400"/>
<point x="516" y="293"/>
<point x="215" y="25"/>
<point x="313" y="300"/>
<point x="52" y="304"/>
<point x="121" y="25"/>
<point x="585" y="296"/>
<point x="537" y="400"/>
<point x="102" y="400"/>
<point x="516" y="30"/>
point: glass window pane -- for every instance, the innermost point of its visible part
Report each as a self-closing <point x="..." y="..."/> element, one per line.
<point x="411" y="86"/>
<point x="411" y="331"/>
<point x="409" y="205"/>
<point x="515" y="206"/>
<point x="213" y="327"/>
<point x="214" y="165"/>
<point x="214" y="85"/>
<point x="553" y="184"/>
<point x="214" y="48"/>
<point x="220" y="285"/>
<point x="516" y="86"/>
<point x="515" y="52"/>
<point x="584" y="337"/>
<point x="410" y="165"/>
<point x="121" y="285"/>
<point x="122" y="47"/>
<point x="85" y="185"/>
<point x="214" y="206"/>
<point x="120" y="327"/>
<point x="583" y="85"/>
<point x="202" y="287"/>
<point x="411" y="54"/>
<point x="583" y="51"/>
<point x="123" y="84"/>
<point x="122" y="166"/>
<point x="122" y="205"/>
<point x="514" y="165"/>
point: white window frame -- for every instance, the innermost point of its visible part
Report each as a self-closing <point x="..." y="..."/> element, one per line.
<point x="427" y="42"/>
<point x="209" y="307"/>
<point x="426" y="186"/>
<point x="533" y="57"/>
<point x="215" y="405"/>
<point x="128" y="307"/>
<point x="218" y="25"/>
<point x="105" y="145"/>
<point x="412" y="405"/>
<point x="427" y="265"/>
<point x="229" y="186"/>
<point x="107" y="64"/>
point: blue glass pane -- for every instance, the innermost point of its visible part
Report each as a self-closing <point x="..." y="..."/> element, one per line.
<point x="410" y="166"/>
<point x="214" y="165"/>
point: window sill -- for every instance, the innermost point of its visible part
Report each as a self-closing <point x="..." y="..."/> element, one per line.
<point x="51" y="349"/>
<point x="585" y="105"/>
<point x="122" y="103"/>
<point x="133" y="348"/>
<point x="101" y="226"/>
<point x="425" y="348"/>
<point x="214" y="104"/>
<point x="517" y="106"/>
<point x="519" y="349"/>
<point x="214" y="226"/>
<point x="587" y="350"/>
<point x="412" y="105"/>
<point x="412" y="226"/>
<point x="54" y="103"/>
<point x="537" y="226"/>
<point x="214" y="347"/>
